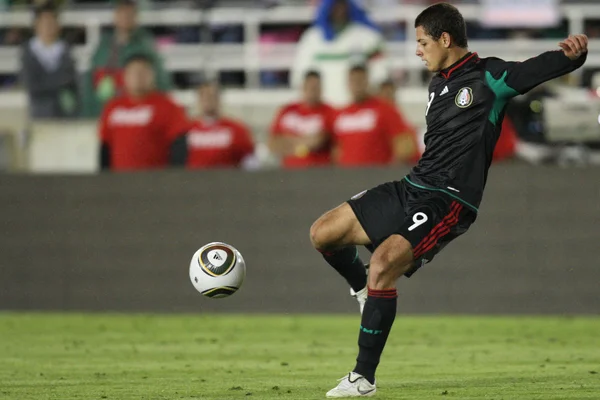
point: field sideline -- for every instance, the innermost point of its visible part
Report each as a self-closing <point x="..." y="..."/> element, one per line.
<point x="121" y="356"/>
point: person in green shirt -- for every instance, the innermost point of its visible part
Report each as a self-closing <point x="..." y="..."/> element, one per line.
<point x="104" y="80"/>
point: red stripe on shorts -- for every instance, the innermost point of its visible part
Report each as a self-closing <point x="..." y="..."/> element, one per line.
<point x="426" y="239"/>
<point x="441" y="230"/>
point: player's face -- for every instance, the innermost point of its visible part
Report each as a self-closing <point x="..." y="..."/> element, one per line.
<point x="46" y="26"/>
<point x="431" y="51"/>
<point x="125" y="18"/>
<point x="139" y="78"/>
<point x="208" y="99"/>
<point x="312" y="90"/>
<point x="359" y="84"/>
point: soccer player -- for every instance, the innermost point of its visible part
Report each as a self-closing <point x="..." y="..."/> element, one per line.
<point x="213" y="140"/>
<point x="138" y="128"/>
<point x="301" y="132"/>
<point x="409" y="221"/>
<point x="370" y="131"/>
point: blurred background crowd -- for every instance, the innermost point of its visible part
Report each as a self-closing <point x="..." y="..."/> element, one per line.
<point x="135" y="85"/>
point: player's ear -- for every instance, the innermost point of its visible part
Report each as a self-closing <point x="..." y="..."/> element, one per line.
<point x="446" y="40"/>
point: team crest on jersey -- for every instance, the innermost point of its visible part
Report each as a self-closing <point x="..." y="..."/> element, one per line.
<point x="464" y="97"/>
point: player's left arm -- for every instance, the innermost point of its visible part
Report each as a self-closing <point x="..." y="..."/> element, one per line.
<point x="520" y="77"/>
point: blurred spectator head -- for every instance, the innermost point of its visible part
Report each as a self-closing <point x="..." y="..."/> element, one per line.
<point x="209" y="98"/>
<point x="358" y="82"/>
<point x="125" y="16"/>
<point x="333" y="15"/>
<point x="340" y="12"/>
<point x="312" y="87"/>
<point x="440" y="28"/>
<point x="46" y="23"/>
<point x="387" y="91"/>
<point x="139" y="75"/>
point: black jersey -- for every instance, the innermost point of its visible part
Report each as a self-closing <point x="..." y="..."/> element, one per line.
<point x="464" y="116"/>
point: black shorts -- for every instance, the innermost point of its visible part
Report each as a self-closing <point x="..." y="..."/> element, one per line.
<point x="428" y="219"/>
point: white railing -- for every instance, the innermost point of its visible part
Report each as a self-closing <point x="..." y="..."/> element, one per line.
<point x="251" y="56"/>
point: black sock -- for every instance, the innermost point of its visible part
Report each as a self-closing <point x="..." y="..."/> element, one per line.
<point x="377" y="320"/>
<point x="349" y="265"/>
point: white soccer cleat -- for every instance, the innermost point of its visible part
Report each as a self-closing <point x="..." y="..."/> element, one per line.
<point x="361" y="297"/>
<point x="353" y="385"/>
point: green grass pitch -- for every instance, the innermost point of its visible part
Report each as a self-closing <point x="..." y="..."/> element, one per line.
<point x="120" y="357"/>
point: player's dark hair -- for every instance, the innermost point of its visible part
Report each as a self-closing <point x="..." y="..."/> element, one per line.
<point x="47" y="7"/>
<point x="358" y="68"/>
<point x="443" y="17"/>
<point x="139" y="57"/>
<point x="312" y="74"/>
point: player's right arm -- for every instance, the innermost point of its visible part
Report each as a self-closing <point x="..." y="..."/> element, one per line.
<point x="510" y="79"/>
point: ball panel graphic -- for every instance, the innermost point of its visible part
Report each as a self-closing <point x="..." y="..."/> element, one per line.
<point x="217" y="260"/>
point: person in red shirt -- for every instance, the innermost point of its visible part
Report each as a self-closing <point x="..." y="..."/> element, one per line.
<point x="213" y="140"/>
<point x="301" y="132"/>
<point x="138" y="128"/>
<point x="407" y="142"/>
<point x="387" y="92"/>
<point x="370" y="131"/>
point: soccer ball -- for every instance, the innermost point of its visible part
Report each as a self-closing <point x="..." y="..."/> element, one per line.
<point x="217" y="270"/>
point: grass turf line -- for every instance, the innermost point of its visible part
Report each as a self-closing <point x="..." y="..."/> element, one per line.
<point x="121" y="357"/>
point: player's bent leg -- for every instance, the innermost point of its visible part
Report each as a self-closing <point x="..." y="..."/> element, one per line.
<point x="337" y="228"/>
<point x="389" y="262"/>
<point x="335" y="235"/>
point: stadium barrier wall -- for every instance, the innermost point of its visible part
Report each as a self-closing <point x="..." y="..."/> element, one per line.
<point x="123" y="242"/>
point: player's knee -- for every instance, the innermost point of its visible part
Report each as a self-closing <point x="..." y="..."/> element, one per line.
<point x="334" y="229"/>
<point x="387" y="265"/>
<point x="319" y="235"/>
<point x="382" y="262"/>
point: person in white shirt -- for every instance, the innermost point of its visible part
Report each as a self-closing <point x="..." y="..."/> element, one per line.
<point x="342" y="36"/>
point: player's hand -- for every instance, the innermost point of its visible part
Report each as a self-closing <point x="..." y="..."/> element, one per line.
<point x="574" y="46"/>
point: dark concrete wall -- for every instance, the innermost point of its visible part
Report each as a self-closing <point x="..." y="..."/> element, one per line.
<point x="123" y="242"/>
